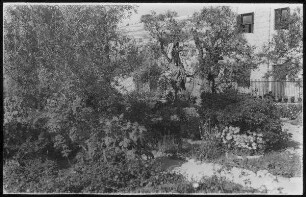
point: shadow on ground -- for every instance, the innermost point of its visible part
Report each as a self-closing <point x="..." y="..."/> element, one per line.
<point x="293" y="144"/>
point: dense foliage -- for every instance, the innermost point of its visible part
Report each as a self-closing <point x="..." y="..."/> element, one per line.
<point x="68" y="129"/>
<point x="59" y="63"/>
<point x="213" y="105"/>
<point x="290" y="111"/>
<point x="99" y="177"/>
<point x="278" y="163"/>
<point x="246" y="124"/>
<point x="217" y="37"/>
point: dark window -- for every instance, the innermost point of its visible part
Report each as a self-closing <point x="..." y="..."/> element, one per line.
<point x="281" y="18"/>
<point x="246" y="22"/>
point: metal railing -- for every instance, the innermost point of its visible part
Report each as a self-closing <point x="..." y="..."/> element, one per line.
<point x="279" y="89"/>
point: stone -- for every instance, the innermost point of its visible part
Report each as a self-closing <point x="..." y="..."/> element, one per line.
<point x="262" y="173"/>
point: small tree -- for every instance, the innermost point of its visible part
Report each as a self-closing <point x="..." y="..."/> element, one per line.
<point x="216" y="37"/>
<point x="169" y="33"/>
<point x="285" y="51"/>
<point x="148" y="70"/>
<point x="62" y="61"/>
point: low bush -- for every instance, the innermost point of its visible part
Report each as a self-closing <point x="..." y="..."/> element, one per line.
<point x="159" y="118"/>
<point x="118" y="140"/>
<point x="166" y="183"/>
<point x="220" y="185"/>
<point x="256" y="116"/>
<point x="101" y="177"/>
<point x="249" y="143"/>
<point x="34" y="176"/>
<point x="192" y="123"/>
<point x="290" y="111"/>
<point x="250" y="116"/>
<point x="277" y="163"/>
<point x="211" y="148"/>
<point x="139" y="108"/>
<point x="214" y="104"/>
<point x="177" y="184"/>
<point x="134" y="176"/>
<point x="37" y="176"/>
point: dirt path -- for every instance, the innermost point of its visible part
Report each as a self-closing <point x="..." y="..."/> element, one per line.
<point x="262" y="180"/>
<point x="296" y="131"/>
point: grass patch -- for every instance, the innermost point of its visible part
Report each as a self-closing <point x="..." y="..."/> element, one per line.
<point x="206" y="185"/>
<point x="283" y="163"/>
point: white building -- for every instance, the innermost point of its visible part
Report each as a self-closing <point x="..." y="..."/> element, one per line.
<point x="261" y="18"/>
<point x="261" y="21"/>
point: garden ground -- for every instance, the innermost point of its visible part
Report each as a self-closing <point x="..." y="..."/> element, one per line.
<point x="277" y="172"/>
<point x="271" y="181"/>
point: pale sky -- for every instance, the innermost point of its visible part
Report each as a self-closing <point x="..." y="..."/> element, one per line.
<point x="182" y="9"/>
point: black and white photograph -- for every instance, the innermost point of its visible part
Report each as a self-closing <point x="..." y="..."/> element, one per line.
<point x="153" y="98"/>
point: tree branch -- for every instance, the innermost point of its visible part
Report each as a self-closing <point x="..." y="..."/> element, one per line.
<point x="163" y="49"/>
<point x="198" y="45"/>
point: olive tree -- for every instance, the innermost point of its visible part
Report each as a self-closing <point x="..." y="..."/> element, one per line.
<point x="218" y="37"/>
<point x="285" y="50"/>
<point x="60" y="62"/>
<point x="169" y="34"/>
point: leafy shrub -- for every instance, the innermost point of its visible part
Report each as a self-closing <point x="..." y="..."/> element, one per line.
<point x="290" y="111"/>
<point x="191" y="123"/>
<point x="213" y="104"/>
<point x="116" y="140"/>
<point x="14" y="109"/>
<point x="25" y="137"/>
<point x="249" y="114"/>
<point x="178" y="184"/>
<point x="139" y="107"/>
<point x="89" y="177"/>
<point x="157" y="117"/>
<point x="99" y="177"/>
<point x="277" y="163"/>
<point x="256" y="116"/>
<point x="166" y="182"/>
<point x="250" y="142"/>
<point x="102" y="177"/>
<point x="33" y="176"/>
<point x="211" y="148"/>
<point x="220" y="185"/>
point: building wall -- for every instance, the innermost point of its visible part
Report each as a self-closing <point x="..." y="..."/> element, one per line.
<point x="261" y="33"/>
<point x="264" y="20"/>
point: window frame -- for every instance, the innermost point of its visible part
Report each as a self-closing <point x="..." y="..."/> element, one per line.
<point x="241" y="24"/>
<point x="278" y="19"/>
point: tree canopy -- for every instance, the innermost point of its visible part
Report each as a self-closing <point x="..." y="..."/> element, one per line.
<point x="215" y="35"/>
<point x="169" y="33"/>
<point x="51" y="49"/>
<point x="60" y="63"/>
<point x="285" y="50"/>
